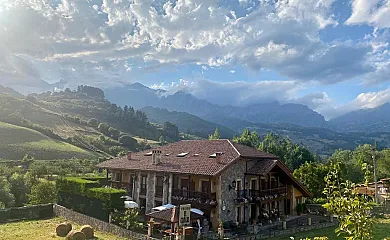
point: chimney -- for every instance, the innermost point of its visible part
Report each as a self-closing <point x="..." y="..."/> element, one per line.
<point x="156" y="156"/>
<point x="218" y="157"/>
<point x="128" y="155"/>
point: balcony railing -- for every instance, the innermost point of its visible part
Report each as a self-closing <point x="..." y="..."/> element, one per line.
<point x="193" y="196"/>
<point x="121" y="185"/>
<point x="261" y="195"/>
<point x="159" y="191"/>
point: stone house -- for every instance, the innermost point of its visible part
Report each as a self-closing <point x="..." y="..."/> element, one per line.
<point x="226" y="180"/>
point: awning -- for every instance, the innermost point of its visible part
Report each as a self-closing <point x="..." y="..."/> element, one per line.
<point x="171" y="215"/>
<point x="163" y="207"/>
<point x="131" y="204"/>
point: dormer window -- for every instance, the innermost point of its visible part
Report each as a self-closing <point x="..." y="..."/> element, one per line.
<point x="183" y="154"/>
<point x="214" y="155"/>
<point x="148" y="154"/>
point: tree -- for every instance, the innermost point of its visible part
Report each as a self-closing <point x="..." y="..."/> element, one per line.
<point x="128" y="141"/>
<point x="292" y="154"/>
<point x="248" y="138"/>
<point x="103" y="128"/>
<point x="215" y="135"/>
<point x="19" y="189"/>
<point x="312" y="176"/>
<point x="93" y="122"/>
<point x="43" y="192"/>
<point x="114" y="133"/>
<point x="171" y="131"/>
<point x="6" y="197"/>
<point x="351" y="208"/>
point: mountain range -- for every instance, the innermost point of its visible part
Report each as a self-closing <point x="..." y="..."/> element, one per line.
<point x="140" y="96"/>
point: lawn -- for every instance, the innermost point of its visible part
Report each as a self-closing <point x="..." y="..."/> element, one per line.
<point x="41" y="229"/>
<point x="16" y="141"/>
<point x="381" y="231"/>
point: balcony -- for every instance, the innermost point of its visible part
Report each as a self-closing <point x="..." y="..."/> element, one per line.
<point x="193" y="197"/>
<point x="121" y="185"/>
<point x="261" y="195"/>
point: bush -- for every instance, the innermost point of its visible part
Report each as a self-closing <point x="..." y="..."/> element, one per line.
<point x="300" y="208"/>
<point x="128" y="141"/>
<point x="110" y="196"/>
<point x="75" y="185"/>
<point x="42" y="193"/>
<point x="93" y="122"/>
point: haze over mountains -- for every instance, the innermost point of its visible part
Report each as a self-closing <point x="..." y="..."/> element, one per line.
<point x="140" y="96"/>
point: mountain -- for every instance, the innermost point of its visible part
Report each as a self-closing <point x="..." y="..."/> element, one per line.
<point x="141" y="96"/>
<point x="187" y="123"/>
<point x="365" y="120"/>
<point x="10" y="91"/>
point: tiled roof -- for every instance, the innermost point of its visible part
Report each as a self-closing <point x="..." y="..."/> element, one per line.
<point x="250" y="152"/>
<point x="197" y="161"/>
<point x="262" y="167"/>
<point x="171" y="215"/>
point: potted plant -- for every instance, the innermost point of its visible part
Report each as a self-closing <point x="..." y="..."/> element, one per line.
<point x="299" y="209"/>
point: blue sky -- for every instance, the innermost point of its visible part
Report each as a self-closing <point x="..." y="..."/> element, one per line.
<point x="331" y="55"/>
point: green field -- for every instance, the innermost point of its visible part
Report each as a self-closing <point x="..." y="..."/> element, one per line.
<point x="40" y="230"/>
<point x="381" y="231"/>
<point x="16" y="142"/>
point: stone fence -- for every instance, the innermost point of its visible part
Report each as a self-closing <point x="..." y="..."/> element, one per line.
<point x="97" y="224"/>
<point x="286" y="232"/>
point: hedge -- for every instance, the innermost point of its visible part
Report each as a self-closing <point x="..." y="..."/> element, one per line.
<point x="75" y="185"/>
<point x="26" y="213"/>
<point x="85" y="195"/>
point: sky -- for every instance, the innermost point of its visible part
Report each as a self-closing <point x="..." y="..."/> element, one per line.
<point x="333" y="56"/>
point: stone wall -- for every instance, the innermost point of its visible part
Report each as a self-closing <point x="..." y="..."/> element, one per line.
<point x="226" y="200"/>
<point x="96" y="224"/>
<point x="288" y="232"/>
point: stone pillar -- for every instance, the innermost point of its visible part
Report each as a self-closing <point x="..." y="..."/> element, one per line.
<point x="170" y="187"/>
<point x="150" y="191"/>
<point x="309" y="221"/>
<point x="137" y="189"/>
<point x="165" y="190"/>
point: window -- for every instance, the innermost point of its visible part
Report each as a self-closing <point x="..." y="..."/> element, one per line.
<point x="239" y="214"/>
<point x="148" y="154"/>
<point x="143" y="184"/>
<point x="214" y="155"/>
<point x="183" y="154"/>
<point x="159" y="186"/>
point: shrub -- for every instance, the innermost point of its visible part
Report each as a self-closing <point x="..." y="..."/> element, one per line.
<point x="128" y="141"/>
<point x="300" y="208"/>
<point x="93" y="122"/>
<point x="75" y="185"/>
<point x="42" y="193"/>
<point x="111" y="197"/>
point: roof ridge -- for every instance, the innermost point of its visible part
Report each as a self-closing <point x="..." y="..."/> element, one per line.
<point x="239" y="154"/>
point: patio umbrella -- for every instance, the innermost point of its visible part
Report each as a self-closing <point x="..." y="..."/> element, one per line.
<point x="163" y="207"/>
<point x="198" y="211"/>
<point x="131" y="204"/>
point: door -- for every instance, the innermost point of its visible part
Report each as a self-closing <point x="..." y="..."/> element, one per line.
<point x="206" y="186"/>
<point x="253" y="212"/>
<point x="287" y="207"/>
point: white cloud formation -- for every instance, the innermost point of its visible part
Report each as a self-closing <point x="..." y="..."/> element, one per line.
<point x="372" y="12"/>
<point x="281" y="36"/>
<point x="238" y="93"/>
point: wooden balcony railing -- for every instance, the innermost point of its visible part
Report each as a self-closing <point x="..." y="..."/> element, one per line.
<point x="193" y="196"/>
<point x="121" y="185"/>
<point x="261" y="195"/>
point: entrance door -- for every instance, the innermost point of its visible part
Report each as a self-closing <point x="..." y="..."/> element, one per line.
<point x="253" y="211"/>
<point x="287" y="207"/>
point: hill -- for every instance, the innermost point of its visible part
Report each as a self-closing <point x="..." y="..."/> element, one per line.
<point x="66" y="118"/>
<point x="16" y="142"/>
<point x="365" y="120"/>
<point x="141" y="96"/>
<point x="186" y="122"/>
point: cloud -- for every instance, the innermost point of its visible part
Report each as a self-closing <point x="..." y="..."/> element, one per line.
<point x="213" y="33"/>
<point x="237" y="93"/>
<point x="372" y="12"/>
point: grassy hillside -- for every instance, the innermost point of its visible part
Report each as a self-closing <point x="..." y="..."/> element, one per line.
<point x="16" y="142"/>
